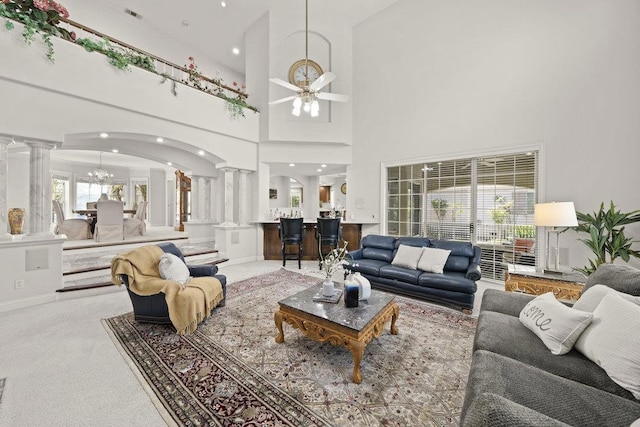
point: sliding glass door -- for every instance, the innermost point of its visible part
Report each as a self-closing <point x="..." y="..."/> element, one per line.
<point x="488" y="201"/>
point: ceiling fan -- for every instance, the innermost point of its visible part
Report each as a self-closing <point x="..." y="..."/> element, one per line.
<point x="308" y="93"/>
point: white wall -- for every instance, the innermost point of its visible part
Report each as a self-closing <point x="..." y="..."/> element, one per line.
<point x="111" y="20"/>
<point x="469" y="77"/>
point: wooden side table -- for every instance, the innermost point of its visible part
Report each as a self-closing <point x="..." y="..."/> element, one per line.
<point x="566" y="287"/>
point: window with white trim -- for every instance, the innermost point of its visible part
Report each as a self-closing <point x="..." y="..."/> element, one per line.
<point x="488" y="201"/>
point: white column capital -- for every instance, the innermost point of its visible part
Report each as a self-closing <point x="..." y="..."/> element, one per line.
<point x="40" y="144"/>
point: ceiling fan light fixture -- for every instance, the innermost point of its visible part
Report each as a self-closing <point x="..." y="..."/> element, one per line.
<point x="308" y="92"/>
<point x="297" y="104"/>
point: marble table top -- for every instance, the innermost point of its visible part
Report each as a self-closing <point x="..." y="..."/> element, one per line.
<point x="355" y="318"/>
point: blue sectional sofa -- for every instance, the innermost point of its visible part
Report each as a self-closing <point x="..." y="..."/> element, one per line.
<point x="456" y="286"/>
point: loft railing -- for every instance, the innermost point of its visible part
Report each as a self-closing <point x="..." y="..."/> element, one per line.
<point x="119" y="53"/>
<point x="169" y="69"/>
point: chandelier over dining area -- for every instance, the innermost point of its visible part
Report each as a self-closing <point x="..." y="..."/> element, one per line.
<point x="100" y="175"/>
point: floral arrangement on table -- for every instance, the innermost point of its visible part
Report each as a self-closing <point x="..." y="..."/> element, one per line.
<point x="37" y="16"/>
<point x="334" y="261"/>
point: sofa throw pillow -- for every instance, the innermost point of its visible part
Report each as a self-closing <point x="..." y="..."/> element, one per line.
<point x="407" y="256"/>
<point x="612" y="341"/>
<point x="173" y="268"/>
<point x="433" y="260"/>
<point x="590" y="299"/>
<point x="557" y="325"/>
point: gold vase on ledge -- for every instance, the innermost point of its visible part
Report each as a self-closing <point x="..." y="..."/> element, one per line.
<point x="16" y="220"/>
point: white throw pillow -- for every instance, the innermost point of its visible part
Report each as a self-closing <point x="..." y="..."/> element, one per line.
<point x="612" y="341"/>
<point x="407" y="256"/>
<point x="433" y="260"/>
<point x="173" y="268"/>
<point x="589" y="300"/>
<point x="557" y="325"/>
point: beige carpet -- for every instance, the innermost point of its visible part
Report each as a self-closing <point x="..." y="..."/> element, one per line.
<point x="231" y="371"/>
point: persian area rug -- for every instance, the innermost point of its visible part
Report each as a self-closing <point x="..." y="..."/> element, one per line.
<point x="231" y="371"/>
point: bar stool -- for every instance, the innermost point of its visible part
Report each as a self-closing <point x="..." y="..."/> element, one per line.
<point x="328" y="233"/>
<point x="291" y="233"/>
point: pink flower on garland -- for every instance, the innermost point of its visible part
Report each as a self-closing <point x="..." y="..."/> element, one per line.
<point x="47" y="5"/>
<point x="41" y="4"/>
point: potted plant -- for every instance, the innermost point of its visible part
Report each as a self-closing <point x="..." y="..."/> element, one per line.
<point x="606" y="238"/>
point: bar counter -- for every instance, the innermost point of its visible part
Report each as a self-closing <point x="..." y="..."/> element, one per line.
<point x="351" y="232"/>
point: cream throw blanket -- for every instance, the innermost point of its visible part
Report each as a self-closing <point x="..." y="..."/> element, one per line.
<point x="187" y="307"/>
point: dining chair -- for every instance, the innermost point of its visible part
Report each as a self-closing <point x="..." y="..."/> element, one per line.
<point x="109" y="221"/>
<point x="291" y="233"/>
<point x="136" y="226"/>
<point x="73" y="228"/>
<point x="328" y="233"/>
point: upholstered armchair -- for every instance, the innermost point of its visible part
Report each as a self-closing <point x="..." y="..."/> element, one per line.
<point x="109" y="221"/>
<point x="154" y="307"/>
<point x="73" y="228"/>
<point x="136" y="226"/>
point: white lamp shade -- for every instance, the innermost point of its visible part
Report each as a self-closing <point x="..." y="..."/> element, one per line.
<point x="560" y="214"/>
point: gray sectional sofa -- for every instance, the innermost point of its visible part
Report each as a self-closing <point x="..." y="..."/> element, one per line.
<point x="516" y="381"/>
<point x="456" y="286"/>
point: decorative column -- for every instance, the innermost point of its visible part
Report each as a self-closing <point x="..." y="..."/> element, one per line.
<point x="229" y="200"/>
<point x="216" y="197"/>
<point x="207" y="198"/>
<point x="4" y="179"/>
<point x="244" y="194"/>
<point x="39" y="188"/>
<point x="195" y="198"/>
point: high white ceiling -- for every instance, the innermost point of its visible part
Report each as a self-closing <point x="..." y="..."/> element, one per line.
<point x="215" y="30"/>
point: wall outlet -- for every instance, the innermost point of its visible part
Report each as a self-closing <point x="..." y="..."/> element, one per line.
<point x="18" y="284"/>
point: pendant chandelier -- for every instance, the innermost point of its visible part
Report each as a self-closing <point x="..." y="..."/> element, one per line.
<point x="100" y="175"/>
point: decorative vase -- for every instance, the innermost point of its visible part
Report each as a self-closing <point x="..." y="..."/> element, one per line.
<point x="16" y="220"/>
<point x="327" y="288"/>
<point x="364" y="286"/>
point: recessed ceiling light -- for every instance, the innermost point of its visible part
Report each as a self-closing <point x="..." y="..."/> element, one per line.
<point x="201" y="152"/>
<point x="159" y="139"/>
<point x="223" y="3"/>
<point x="104" y="135"/>
<point x="115" y="150"/>
<point x="170" y="164"/>
<point x="323" y="166"/>
<point x="235" y="51"/>
<point x="318" y="170"/>
<point x="292" y="164"/>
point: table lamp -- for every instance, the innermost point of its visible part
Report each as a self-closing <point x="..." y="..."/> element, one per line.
<point x="553" y="215"/>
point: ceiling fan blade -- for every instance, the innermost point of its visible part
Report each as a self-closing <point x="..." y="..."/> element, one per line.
<point x="281" y="100"/>
<point x="333" y="97"/>
<point x="284" y="84"/>
<point x="322" y="81"/>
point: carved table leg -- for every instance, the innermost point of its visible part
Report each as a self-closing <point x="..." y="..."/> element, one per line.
<point x="277" y="317"/>
<point x="394" y="318"/>
<point x="357" y="350"/>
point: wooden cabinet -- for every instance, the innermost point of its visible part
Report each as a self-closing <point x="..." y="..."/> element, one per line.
<point x="272" y="248"/>
<point x="565" y="287"/>
<point x="325" y="193"/>
<point x="183" y="187"/>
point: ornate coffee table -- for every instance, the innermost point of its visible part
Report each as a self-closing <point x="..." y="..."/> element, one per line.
<point x="352" y="328"/>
